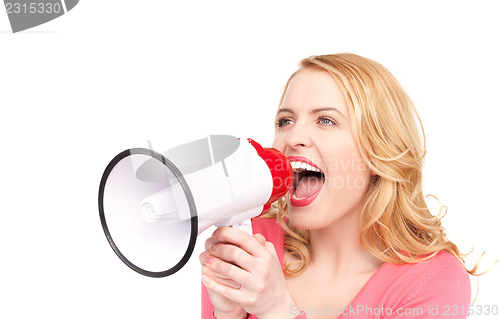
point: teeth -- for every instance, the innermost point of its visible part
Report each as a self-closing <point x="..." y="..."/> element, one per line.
<point x="297" y="165"/>
<point x="295" y="197"/>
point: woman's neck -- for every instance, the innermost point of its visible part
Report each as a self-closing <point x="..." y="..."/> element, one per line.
<point x="338" y="247"/>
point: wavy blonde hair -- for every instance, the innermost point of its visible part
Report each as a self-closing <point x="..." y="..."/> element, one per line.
<point x="397" y="226"/>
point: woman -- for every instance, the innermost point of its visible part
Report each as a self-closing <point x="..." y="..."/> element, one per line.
<point x="354" y="238"/>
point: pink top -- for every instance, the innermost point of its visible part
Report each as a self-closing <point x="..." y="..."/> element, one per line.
<point x="438" y="288"/>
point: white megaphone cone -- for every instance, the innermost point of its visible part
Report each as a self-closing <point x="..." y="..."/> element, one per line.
<point x="153" y="206"/>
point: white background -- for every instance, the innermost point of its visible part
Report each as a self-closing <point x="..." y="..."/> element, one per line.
<point x="110" y="75"/>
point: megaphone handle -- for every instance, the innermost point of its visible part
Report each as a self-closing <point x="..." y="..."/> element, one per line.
<point x="245" y="226"/>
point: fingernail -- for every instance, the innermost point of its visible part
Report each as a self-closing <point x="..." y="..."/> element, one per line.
<point x="208" y="260"/>
<point x="204" y="279"/>
<point x="212" y="248"/>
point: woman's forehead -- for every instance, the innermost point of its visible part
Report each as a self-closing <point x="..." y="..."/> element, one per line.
<point x="312" y="89"/>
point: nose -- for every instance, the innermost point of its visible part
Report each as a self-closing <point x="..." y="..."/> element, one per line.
<point x="298" y="137"/>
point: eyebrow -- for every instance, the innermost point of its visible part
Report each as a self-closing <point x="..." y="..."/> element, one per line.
<point x="317" y="110"/>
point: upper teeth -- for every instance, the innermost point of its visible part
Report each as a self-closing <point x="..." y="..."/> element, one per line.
<point x="296" y="165"/>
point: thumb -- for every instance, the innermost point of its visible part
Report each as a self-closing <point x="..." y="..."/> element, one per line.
<point x="261" y="239"/>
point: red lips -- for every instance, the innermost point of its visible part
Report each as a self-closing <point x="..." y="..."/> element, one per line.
<point x="305" y="165"/>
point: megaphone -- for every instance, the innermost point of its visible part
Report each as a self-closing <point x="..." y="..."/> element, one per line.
<point x="153" y="206"/>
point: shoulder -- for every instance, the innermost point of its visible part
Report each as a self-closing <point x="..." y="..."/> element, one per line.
<point x="442" y="272"/>
<point x="443" y="266"/>
<point x="441" y="280"/>
<point x="449" y="268"/>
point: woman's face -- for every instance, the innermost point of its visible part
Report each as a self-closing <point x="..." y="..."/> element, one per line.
<point x="314" y="132"/>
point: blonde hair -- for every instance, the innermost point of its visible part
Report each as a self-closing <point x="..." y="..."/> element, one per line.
<point x="396" y="224"/>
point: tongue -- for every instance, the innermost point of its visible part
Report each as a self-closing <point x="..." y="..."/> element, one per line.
<point x="308" y="185"/>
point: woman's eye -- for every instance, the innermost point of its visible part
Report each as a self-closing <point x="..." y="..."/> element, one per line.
<point x="283" y="121"/>
<point x="325" y="121"/>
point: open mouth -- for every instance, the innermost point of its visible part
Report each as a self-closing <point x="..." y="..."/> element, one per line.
<point x="308" y="180"/>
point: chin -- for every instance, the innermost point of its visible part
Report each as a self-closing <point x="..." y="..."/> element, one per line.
<point x="305" y="218"/>
<point x="316" y="216"/>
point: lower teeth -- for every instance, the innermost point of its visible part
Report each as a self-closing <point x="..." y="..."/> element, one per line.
<point x="295" y="197"/>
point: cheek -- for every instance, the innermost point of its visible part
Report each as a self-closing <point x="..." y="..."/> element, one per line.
<point x="279" y="142"/>
<point x="348" y="178"/>
<point x="343" y="193"/>
<point x="348" y="172"/>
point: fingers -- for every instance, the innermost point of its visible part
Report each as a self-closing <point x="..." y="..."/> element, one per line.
<point x="205" y="259"/>
<point x="228" y="292"/>
<point x="225" y="241"/>
<point x="226" y="273"/>
<point x="245" y="270"/>
<point x="226" y="270"/>
<point x="270" y="247"/>
<point x="261" y="239"/>
<point x="210" y="241"/>
<point x="221" y="279"/>
<point x="251" y="244"/>
<point x="229" y="258"/>
<point x="236" y="247"/>
<point x="213" y="240"/>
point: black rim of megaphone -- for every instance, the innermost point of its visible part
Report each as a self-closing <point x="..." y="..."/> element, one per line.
<point x="189" y="197"/>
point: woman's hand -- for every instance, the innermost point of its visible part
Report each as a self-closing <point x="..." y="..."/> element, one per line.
<point x="244" y="270"/>
<point x="224" y="308"/>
